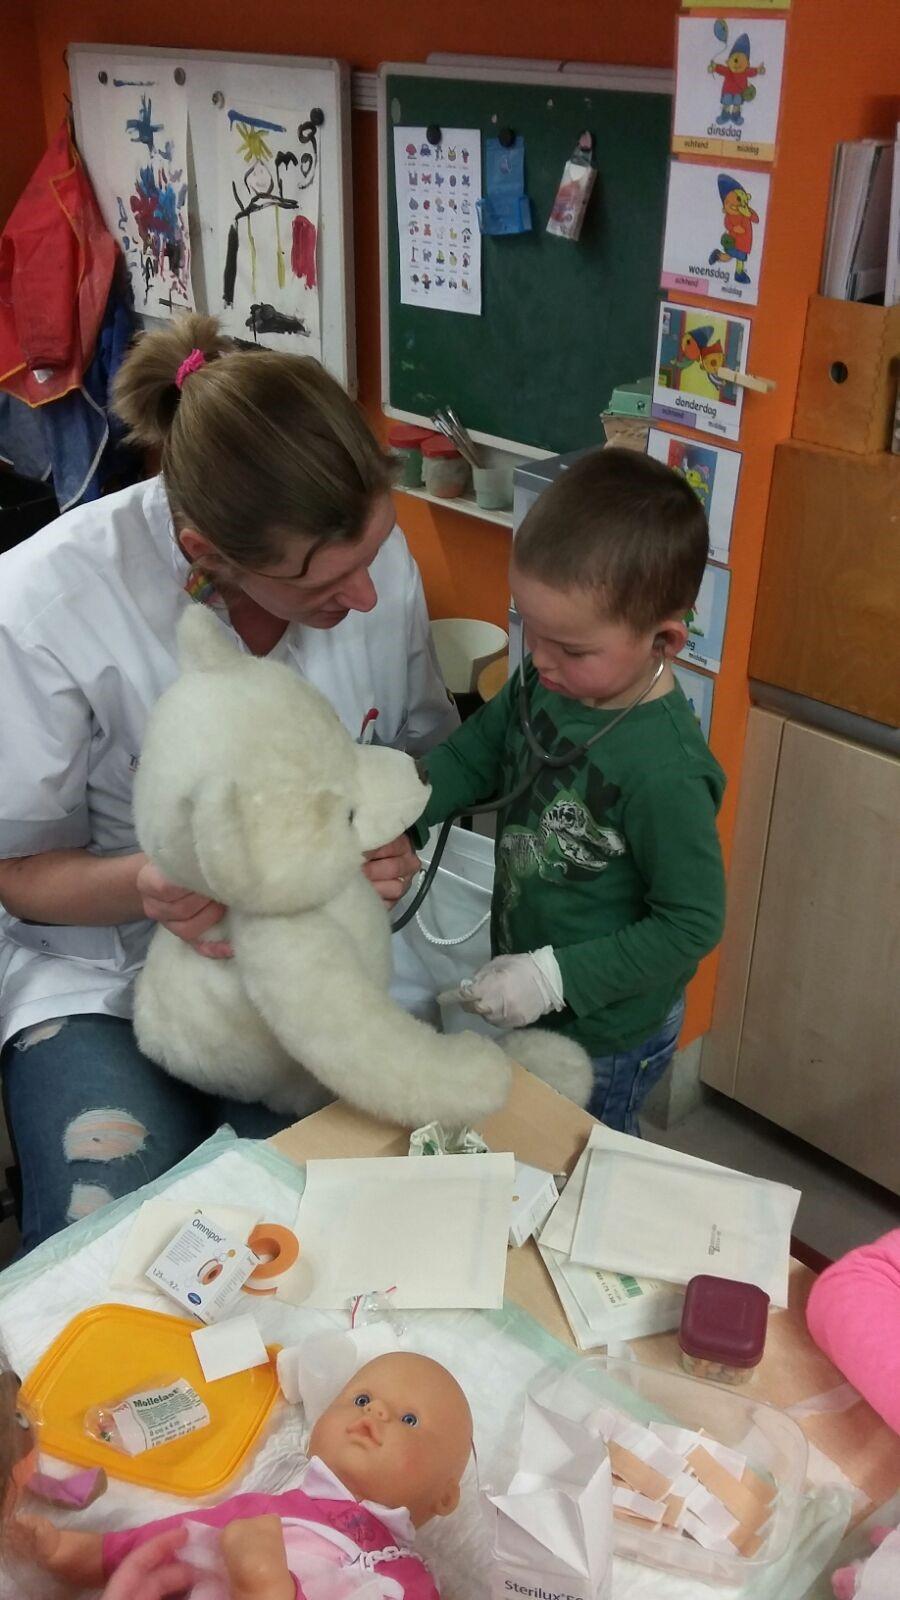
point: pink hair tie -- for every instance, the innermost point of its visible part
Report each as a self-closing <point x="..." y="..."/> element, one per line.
<point x="191" y="363"/>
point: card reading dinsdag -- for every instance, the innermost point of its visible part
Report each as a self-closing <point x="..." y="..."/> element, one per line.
<point x="692" y="348"/>
<point x="712" y="474"/>
<point x="715" y="230"/>
<point x="728" y="86"/>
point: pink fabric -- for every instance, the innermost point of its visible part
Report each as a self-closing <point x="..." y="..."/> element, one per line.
<point x="370" y="1545"/>
<point x="854" y="1316"/>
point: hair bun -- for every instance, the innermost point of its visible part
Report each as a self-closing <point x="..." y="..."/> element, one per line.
<point x="146" y="388"/>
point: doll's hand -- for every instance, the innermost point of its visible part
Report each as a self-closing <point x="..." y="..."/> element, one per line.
<point x="513" y="991"/>
<point x="153" y="1571"/>
<point x="392" y="868"/>
<point x="189" y="916"/>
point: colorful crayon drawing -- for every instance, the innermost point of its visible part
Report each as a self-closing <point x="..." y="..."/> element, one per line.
<point x="735" y="72"/>
<point x="697" y="466"/>
<point x="698" y="691"/>
<point x="270" y="274"/>
<point x="728" y="87"/>
<point x="736" y="242"/>
<point x="715" y="231"/>
<point x="692" y="349"/>
<point x="706" y="621"/>
<point x="695" y="346"/>
<point x="151" y="194"/>
<point x="712" y="474"/>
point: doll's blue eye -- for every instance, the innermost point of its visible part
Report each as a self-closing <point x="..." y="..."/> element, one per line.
<point x="362" y="1400"/>
<point x="409" y="1419"/>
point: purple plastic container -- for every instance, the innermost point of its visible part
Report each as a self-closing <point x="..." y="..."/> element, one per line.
<point x="723" y="1329"/>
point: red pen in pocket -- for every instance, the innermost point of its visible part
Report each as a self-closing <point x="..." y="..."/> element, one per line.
<point x="367" y="731"/>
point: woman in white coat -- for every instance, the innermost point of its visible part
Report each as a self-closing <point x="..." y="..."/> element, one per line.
<point x="272" y="505"/>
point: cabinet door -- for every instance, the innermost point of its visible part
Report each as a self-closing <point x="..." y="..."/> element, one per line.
<point x="820" y="1046"/>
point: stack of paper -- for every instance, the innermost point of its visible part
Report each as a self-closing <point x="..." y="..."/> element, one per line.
<point x="636" y="1222"/>
<point x="855" y="263"/>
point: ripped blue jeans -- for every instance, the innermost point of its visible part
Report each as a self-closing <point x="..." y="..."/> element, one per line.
<point x="92" y="1119"/>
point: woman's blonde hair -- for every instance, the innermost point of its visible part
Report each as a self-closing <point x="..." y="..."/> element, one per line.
<point x="255" y="446"/>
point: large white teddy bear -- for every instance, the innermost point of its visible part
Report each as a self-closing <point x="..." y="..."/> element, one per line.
<point x="251" y="791"/>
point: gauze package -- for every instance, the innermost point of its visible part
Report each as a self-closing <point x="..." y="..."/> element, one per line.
<point x="659" y="1218"/>
<point x="552" y="1532"/>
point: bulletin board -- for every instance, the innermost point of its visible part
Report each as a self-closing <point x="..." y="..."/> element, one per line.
<point x="213" y="88"/>
<point x="562" y="323"/>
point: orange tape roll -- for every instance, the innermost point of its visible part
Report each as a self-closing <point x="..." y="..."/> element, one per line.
<point x="281" y="1246"/>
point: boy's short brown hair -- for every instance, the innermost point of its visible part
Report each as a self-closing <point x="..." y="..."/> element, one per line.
<point x="624" y="525"/>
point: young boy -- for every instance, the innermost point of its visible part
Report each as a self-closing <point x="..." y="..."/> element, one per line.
<point x="609" y="884"/>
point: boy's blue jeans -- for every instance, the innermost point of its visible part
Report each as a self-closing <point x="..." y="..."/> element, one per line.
<point x="623" y="1081"/>
<point x="92" y="1119"/>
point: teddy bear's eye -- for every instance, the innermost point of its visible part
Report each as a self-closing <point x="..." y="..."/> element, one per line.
<point x="351" y="818"/>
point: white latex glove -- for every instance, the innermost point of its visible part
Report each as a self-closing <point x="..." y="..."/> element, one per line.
<point x="512" y="991"/>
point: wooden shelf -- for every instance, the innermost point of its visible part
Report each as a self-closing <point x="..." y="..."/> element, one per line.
<point x="464" y="503"/>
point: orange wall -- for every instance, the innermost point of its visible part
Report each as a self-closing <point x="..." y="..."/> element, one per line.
<point x="21" y="113"/>
<point x="837" y="85"/>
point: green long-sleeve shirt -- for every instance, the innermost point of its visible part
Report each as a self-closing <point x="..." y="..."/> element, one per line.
<point x="614" y="861"/>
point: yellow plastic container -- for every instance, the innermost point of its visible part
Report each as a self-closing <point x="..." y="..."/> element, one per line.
<point x="113" y="1350"/>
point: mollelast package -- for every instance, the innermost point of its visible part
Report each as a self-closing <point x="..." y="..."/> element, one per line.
<point x="552" y="1531"/>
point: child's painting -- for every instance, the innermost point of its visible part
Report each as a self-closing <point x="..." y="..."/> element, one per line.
<point x="706" y="621"/>
<point x="715" y="228"/>
<point x="728" y="87"/>
<point x="698" y="691"/>
<point x="145" y="197"/>
<point x="688" y="386"/>
<point x="269" y="222"/>
<point x="712" y="474"/>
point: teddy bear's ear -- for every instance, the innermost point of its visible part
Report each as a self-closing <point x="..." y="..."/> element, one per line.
<point x="392" y="795"/>
<point x="203" y="644"/>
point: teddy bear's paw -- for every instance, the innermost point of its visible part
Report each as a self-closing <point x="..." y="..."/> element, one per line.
<point x="474" y="1082"/>
<point x="559" y="1062"/>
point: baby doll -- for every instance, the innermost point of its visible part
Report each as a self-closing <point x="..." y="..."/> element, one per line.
<point x="151" y="1573"/>
<point x="386" y="1456"/>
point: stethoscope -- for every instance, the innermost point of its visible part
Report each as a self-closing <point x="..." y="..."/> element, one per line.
<point x="541" y="760"/>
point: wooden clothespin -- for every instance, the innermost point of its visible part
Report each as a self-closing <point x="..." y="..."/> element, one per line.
<point x="746" y="380"/>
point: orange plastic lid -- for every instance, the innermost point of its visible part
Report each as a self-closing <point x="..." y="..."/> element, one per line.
<point x="111" y="1351"/>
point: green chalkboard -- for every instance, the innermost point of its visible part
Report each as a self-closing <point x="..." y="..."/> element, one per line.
<point x="561" y="323"/>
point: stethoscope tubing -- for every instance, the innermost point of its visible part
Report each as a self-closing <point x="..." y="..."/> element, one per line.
<point x="539" y="759"/>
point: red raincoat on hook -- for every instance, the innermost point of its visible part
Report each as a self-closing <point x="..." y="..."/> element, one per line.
<point x="56" y="268"/>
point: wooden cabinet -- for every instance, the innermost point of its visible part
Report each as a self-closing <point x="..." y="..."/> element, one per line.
<point x="806" y="1028"/>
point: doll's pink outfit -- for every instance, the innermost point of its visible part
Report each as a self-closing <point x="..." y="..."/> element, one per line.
<point x="337" y="1547"/>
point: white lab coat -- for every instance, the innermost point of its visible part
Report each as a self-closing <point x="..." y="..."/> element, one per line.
<point x="88" y="613"/>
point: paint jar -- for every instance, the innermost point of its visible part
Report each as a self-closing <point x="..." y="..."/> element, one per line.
<point x="446" y="473"/>
<point x="723" y="1329"/>
<point x="405" y="441"/>
<point x="493" y="487"/>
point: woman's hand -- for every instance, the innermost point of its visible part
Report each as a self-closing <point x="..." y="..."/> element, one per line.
<point x="189" y="916"/>
<point x="153" y="1571"/>
<point x="392" y="868"/>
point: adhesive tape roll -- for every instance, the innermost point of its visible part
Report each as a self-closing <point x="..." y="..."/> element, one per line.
<point x="281" y="1247"/>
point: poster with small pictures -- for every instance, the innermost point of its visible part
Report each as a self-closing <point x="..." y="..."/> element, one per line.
<point x="438" y="186"/>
